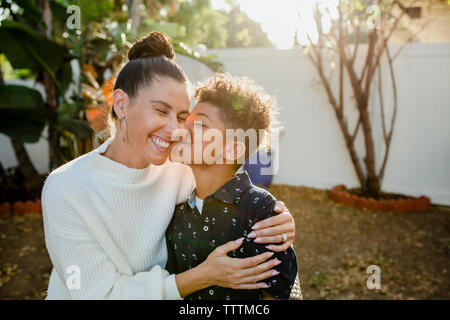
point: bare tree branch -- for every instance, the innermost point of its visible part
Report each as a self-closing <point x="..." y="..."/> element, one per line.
<point x="358" y="124"/>
<point x="394" y="115"/>
<point x="410" y="39"/>
<point x="380" y="96"/>
<point x="372" y="67"/>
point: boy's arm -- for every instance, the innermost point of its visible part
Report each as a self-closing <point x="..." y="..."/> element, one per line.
<point x="282" y="283"/>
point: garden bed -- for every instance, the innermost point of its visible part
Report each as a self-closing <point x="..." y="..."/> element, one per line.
<point x="20" y="207"/>
<point x="387" y="202"/>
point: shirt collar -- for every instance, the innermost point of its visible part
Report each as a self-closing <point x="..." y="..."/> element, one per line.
<point x="230" y="192"/>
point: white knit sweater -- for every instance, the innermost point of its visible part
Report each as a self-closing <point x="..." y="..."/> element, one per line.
<point x="107" y="221"/>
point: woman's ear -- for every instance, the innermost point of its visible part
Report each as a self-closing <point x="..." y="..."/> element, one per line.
<point x="120" y="102"/>
<point x="234" y="152"/>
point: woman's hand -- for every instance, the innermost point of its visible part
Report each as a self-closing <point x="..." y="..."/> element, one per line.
<point x="235" y="273"/>
<point x="269" y="230"/>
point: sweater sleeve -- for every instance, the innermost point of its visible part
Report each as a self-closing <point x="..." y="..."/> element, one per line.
<point x="72" y="247"/>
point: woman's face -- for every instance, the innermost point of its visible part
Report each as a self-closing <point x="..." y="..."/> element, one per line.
<point x="153" y="115"/>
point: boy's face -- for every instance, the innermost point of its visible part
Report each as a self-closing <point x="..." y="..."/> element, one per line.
<point x="207" y="131"/>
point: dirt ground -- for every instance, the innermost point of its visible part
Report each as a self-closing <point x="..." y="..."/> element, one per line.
<point x="334" y="245"/>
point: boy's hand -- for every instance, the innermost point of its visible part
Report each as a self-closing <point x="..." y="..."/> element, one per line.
<point x="270" y="229"/>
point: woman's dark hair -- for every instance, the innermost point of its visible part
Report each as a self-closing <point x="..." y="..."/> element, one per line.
<point x="149" y="57"/>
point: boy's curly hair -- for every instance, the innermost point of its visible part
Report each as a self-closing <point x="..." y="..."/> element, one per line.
<point x="243" y="105"/>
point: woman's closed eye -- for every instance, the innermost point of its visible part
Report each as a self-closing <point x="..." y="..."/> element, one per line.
<point x="162" y="111"/>
<point x="182" y="118"/>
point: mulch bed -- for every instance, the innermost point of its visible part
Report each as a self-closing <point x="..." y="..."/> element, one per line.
<point x="334" y="244"/>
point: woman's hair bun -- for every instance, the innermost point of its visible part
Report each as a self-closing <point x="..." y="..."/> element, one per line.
<point x="153" y="45"/>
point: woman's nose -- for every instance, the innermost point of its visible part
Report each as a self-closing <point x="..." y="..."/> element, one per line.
<point x="171" y="126"/>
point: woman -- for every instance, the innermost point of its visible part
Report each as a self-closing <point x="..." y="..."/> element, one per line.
<point x="106" y="212"/>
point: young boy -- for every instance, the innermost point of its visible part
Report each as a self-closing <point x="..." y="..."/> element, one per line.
<point x="225" y="204"/>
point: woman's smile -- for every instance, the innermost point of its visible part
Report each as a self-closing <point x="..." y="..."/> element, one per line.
<point x="160" y="143"/>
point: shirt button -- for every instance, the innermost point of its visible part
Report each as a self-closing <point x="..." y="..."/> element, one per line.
<point x="205" y="228"/>
<point x="211" y="292"/>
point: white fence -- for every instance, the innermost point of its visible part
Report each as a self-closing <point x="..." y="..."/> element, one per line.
<point x="312" y="150"/>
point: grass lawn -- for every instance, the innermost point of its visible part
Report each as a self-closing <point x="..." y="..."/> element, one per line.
<point x="334" y="245"/>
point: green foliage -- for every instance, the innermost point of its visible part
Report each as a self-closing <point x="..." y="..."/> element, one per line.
<point x="28" y="49"/>
<point x="244" y="32"/>
<point x="209" y="60"/>
<point x="172" y="29"/>
<point x="200" y="24"/>
<point x="27" y="13"/>
<point x="59" y="18"/>
<point x="22" y="113"/>
<point x="32" y="52"/>
<point x="69" y="120"/>
<point x="95" y="10"/>
<point x="10" y="73"/>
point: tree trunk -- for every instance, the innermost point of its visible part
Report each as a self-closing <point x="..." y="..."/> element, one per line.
<point x="52" y="117"/>
<point x="134" y="7"/>
<point x="372" y="183"/>
<point x="32" y="179"/>
<point x="51" y="92"/>
<point x="3" y="176"/>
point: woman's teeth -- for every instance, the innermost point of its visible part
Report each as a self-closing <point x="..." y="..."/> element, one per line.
<point x="160" y="143"/>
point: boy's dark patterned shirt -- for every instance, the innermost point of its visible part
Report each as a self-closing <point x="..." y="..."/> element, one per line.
<point x="227" y="214"/>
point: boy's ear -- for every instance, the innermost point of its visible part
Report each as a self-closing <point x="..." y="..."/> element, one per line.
<point x="234" y="151"/>
<point x="121" y="101"/>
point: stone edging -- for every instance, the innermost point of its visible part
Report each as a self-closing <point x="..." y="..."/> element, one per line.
<point x="341" y="195"/>
<point x="20" y="208"/>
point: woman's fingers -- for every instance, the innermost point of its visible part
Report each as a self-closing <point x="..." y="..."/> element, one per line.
<point x="279" y="206"/>
<point x="271" y="239"/>
<point x="284" y="217"/>
<point x="279" y="248"/>
<point x="271" y="232"/>
<point x="229" y="246"/>
<point x="260" y="268"/>
<point x="250" y="262"/>
<point x="268" y="274"/>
